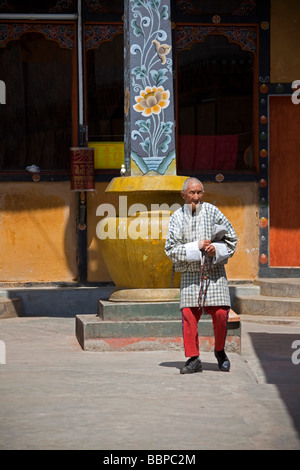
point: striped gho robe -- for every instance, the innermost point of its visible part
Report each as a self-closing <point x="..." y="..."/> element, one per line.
<point x="184" y="232"/>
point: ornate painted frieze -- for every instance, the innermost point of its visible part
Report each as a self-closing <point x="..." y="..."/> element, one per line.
<point x="235" y="8"/>
<point x="103" y="6"/>
<point x="95" y="34"/>
<point x="63" y="34"/>
<point x="59" y="6"/>
<point x="187" y="35"/>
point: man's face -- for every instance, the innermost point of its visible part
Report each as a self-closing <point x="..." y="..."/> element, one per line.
<point x="193" y="194"/>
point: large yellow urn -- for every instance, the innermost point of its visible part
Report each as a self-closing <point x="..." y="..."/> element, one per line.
<point x="132" y="243"/>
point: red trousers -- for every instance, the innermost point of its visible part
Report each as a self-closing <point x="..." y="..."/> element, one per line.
<point x="190" y="319"/>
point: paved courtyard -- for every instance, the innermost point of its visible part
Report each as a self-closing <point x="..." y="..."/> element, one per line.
<point x="54" y="395"/>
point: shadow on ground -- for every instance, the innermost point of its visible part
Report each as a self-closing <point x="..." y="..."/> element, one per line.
<point x="277" y="356"/>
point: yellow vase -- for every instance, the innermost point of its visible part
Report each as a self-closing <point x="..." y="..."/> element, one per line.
<point x="133" y="247"/>
<point x="133" y="250"/>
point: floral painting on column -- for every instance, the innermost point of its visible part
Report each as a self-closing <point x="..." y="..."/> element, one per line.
<point x="152" y="118"/>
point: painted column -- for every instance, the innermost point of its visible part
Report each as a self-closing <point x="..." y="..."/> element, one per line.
<point x="149" y="100"/>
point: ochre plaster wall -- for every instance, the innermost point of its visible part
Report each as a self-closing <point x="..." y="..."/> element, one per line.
<point x="238" y="201"/>
<point x="97" y="271"/>
<point x="37" y="232"/>
<point x="285" y="40"/>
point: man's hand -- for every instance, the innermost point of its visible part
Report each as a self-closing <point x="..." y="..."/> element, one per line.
<point x="210" y="250"/>
<point x="205" y="245"/>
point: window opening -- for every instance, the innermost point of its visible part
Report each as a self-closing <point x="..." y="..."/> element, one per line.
<point x="104" y="60"/>
<point x="215" y="106"/>
<point x="36" y="122"/>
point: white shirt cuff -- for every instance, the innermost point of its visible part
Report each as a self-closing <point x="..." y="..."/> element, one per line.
<point x="192" y="251"/>
<point x="221" y="252"/>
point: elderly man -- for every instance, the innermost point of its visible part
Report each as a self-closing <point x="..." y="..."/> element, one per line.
<point x="200" y="240"/>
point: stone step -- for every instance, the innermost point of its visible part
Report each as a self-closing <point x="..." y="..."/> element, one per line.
<point x="10" y="307"/>
<point x="270" y="320"/>
<point x="94" y="334"/>
<point x="283" y="287"/>
<point x="135" y="311"/>
<point x="266" y="305"/>
<point x="150" y="311"/>
<point x="55" y="301"/>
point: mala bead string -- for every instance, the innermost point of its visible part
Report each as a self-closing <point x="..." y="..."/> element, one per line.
<point x="204" y="280"/>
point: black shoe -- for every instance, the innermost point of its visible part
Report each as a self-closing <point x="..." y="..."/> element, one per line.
<point x="193" y="364"/>
<point x="223" y="361"/>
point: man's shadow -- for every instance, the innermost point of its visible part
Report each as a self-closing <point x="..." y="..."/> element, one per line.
<point x="179" y="364"/>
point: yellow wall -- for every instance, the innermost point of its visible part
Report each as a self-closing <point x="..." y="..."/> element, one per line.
<point x="97" y="271"/>
<point x="37" y="232"/>
<point x="285" y="40"/>
<point x="238" y="201"/>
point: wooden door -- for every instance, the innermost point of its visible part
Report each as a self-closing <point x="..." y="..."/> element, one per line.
<point x="284" y="182"/>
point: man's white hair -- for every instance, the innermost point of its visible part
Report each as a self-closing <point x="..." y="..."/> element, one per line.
<point x="190" y="180"/>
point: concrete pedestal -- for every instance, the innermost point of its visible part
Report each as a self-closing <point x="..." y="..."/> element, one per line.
<point x="123" y="326"/>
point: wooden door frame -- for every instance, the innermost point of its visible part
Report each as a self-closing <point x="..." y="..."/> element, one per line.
<point x="266" y="270"/>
